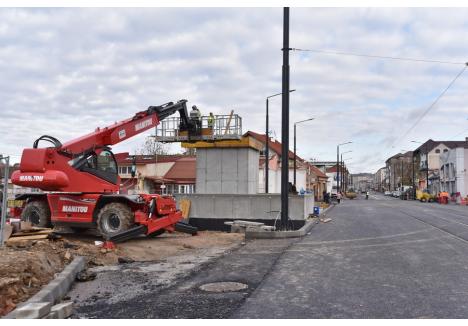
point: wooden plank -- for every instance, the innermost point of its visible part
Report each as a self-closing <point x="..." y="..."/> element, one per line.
<point x="228" y="124"/>
<point x="185" y="207"/>
<point x="32" y="237"/>
<point x="29" y="234"/>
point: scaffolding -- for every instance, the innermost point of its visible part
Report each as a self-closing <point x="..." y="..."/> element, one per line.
<point x="224" y="127"/>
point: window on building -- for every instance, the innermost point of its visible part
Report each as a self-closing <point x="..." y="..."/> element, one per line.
<point x="437" y="151"/>
<point x="125" y="169"/>
<point x="445" y="150"/>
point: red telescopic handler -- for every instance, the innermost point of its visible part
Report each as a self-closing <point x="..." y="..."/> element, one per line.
<point x="80" y="183"/>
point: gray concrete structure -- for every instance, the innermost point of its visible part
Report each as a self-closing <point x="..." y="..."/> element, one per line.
<point x="246" y="207"/>
<point x="227" y="170"/>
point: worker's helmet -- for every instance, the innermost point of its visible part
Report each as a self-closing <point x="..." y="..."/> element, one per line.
<point x="194" y="107"/>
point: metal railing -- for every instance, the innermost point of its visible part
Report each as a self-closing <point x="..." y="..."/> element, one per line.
<point x="223" y="127"/>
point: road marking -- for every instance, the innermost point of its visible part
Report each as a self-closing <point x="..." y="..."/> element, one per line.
<point x="370" y="238"/>
<point x="374" y="245"/>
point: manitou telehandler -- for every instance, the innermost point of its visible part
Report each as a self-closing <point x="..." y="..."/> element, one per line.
<point x="81" y="183"/>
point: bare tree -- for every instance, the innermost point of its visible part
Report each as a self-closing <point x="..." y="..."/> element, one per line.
<point x="152" y="147"/>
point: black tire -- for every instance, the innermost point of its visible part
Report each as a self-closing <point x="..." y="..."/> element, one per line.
<point x="156" y="233"/>
<point x="38" y="213"/>
<point x="114" y="218"/>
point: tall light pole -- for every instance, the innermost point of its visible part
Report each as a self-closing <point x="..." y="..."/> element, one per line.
<point x="343" y="170"/>
<point x="347" y="172"/>
<point x="296" y="123"/>
<point x="338" y="165"/>
<point x="267" y="138"/>
<point x="427" y="163"/>
<point x="285" y="123"/>
<point x="5" y="197"/>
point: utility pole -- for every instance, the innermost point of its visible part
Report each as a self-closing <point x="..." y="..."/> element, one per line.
<point x="5" y="197"/>
<point x="267" y="139"/>
<point x="427" y="170"/>
<point x="412" y="177"/>
<point x="337" y="169"/>
<point x="267" y="150"/>
<point x="285" y="123"/>
<point x="342" y="172"/>
<point x="295" y="156"/>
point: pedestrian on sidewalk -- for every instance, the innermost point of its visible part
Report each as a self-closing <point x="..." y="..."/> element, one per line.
<point x="338" y="197"/>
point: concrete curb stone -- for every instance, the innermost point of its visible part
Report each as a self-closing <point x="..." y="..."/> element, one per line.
<point x="33" y="310"/>
<point x="286" y="234"/>
<point x="54" y="291"/>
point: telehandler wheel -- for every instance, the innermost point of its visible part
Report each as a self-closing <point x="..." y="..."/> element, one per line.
<point x="113" y="218"/>
<point x="38" y="213"/>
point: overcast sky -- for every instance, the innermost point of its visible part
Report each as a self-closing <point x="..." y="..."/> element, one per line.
<point x="66" y="71"/>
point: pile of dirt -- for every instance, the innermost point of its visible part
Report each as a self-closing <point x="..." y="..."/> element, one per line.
<point x="23" y="271"/>
<point x="27" y="266"/>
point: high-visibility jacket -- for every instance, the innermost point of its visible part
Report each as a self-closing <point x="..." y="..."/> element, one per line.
<point x="210" y="121"/>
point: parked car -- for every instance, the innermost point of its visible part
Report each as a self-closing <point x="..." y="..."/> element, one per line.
<point x="396" y="193"/>
<point x="425" y="197"/>
<point x="351" y="194"/>
<point x="387" y="193"/>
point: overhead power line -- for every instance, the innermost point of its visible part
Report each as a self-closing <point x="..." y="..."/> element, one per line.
<point x="377" y="56"/>
<point x="432" y="105"/>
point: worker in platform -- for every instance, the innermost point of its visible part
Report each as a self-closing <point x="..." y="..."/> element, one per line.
<point x="211" y="120"/>
<point x="195" y="116"/>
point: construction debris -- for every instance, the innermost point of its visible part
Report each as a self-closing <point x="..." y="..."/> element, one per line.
<point x="28" y="233"/>
<point x="85" y="276"/>
<point x="239" y="226"/>
<point x="28" y="265"/>
<point x="325" y="220"/>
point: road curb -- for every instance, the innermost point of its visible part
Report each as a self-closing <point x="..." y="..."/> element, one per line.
<point x="57" y="288"/>
<point x="282" y="234"/>
<point x="287" y="234"/>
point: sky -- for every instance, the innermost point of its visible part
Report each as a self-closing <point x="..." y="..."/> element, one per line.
<point x="65" y="72"/>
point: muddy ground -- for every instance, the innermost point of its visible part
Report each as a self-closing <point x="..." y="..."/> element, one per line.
<point x="25" y="268"/>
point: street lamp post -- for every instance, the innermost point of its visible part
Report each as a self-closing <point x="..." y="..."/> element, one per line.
<point x="338" y="165"/>
<point x="343" y="171"/>
<point x="296" y="123"/>
<point x="347" y="173"/>
<point x="5" y="197"/>
<point x="267" y="138"/>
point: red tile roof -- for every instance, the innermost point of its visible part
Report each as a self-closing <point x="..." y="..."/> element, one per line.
<point x="183" y="170"/>
<point x="317" y="171"/>
<point x="277" y="146"/>
<point x="274" y="146"/>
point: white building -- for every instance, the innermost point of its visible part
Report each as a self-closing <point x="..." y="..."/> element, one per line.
<point x="453" y="175"/>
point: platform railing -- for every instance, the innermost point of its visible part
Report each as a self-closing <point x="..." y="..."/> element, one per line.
<point x="223" y="127"/>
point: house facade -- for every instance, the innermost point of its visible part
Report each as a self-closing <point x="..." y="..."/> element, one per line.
<point x="428" y="162"/>
<point x="400" y="170"/>
<point x="159" y="174"/>
<point x="308" y="177"/>
<point x="380" y="178"/>
<point x="453" y="175"/>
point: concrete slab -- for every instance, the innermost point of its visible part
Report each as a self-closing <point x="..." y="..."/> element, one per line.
<point x="33" y="310"/>
<point x="62" y="310"/>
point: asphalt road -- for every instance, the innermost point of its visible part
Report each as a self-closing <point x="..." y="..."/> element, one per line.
<point x="377" y="258"/>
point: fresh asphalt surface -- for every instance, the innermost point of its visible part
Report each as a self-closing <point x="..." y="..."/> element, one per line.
<point x="377" y="258"/>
